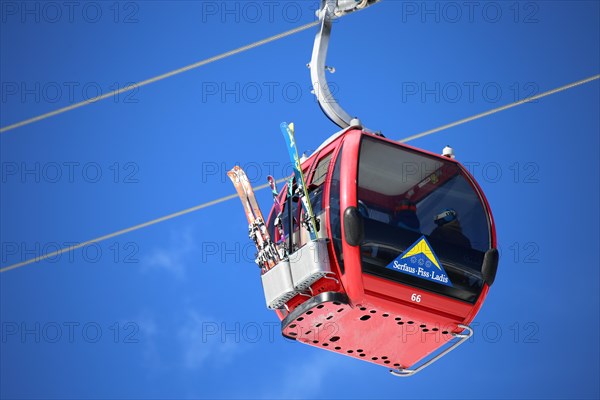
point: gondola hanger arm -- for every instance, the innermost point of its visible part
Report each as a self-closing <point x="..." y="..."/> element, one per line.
<point x="331" y="9"/>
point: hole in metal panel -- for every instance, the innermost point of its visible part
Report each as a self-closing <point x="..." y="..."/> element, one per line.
<point x="350" y="351"/>
<point x="320" y="306"/>
<point x="338" y="348"/>
<point x="337" y="303"/>
<point x="373" y="311"/>
<point x="318" y="325"/>
<point x="410" y="322"/>
<point x="334" y="339"/>
<point x="340" y="310"/>
<point x="309" y="312"/>
<point x="292" y="325"/>
<point x="300" y="319"/>
<point x="362" y="354"/>
<point x="331" y="316"/>
<point x="385" y="315"/>
<point x="365" y="317"/>
<point x="307" y="332"/>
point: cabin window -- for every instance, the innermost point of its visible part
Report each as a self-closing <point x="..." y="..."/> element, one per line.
<point x="320" y="173"/>
<point x="405" y="195"/>
<point x="316" y="184"/>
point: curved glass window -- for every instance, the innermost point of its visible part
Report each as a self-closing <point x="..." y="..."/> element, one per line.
<point x="425" y="224"/>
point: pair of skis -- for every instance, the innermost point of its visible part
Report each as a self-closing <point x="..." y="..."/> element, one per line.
<point x="267" y="253"/>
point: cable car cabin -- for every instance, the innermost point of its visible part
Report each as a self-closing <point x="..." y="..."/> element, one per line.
<point x="404" y="258"/>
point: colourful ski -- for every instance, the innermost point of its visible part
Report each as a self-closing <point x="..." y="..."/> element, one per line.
<point x="249" y="191"/>
<point x="272" y="249"/>
<point x="288" y="134"/>
<point x="242" y="195"/>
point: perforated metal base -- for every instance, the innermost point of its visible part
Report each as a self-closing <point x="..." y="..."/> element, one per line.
<point x="367" y="333"/>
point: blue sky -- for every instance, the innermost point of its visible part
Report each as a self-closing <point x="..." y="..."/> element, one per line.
<point x="176" y="310"/>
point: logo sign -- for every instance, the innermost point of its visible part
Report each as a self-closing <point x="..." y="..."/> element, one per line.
<point x="419" y="260"/>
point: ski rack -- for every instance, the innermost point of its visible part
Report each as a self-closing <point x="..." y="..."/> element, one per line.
<point x="295" y="274"/>
<point x="462" y="336"/>
<point x="330" y="9"/>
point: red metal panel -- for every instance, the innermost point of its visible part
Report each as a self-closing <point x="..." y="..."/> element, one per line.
<point x="429" y="303"/>
<point x="336" y="147"/>
<point x="371" y="333"/>
<point x="353" y="277"/>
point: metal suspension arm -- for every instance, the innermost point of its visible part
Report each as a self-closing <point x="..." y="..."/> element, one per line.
<point x="330" y="9"/>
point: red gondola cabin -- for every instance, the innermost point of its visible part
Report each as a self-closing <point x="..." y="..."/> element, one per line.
<point x="405" y="256"/>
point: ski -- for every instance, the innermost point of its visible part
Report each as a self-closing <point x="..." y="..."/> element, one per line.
<point x="267" y="253"/>
<point x="260" y="260"/>
<point x="242" y="195"/>
<point x="273" y="251"/>
<point x="288" y="134"/>
<point x="249" y="192"/>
